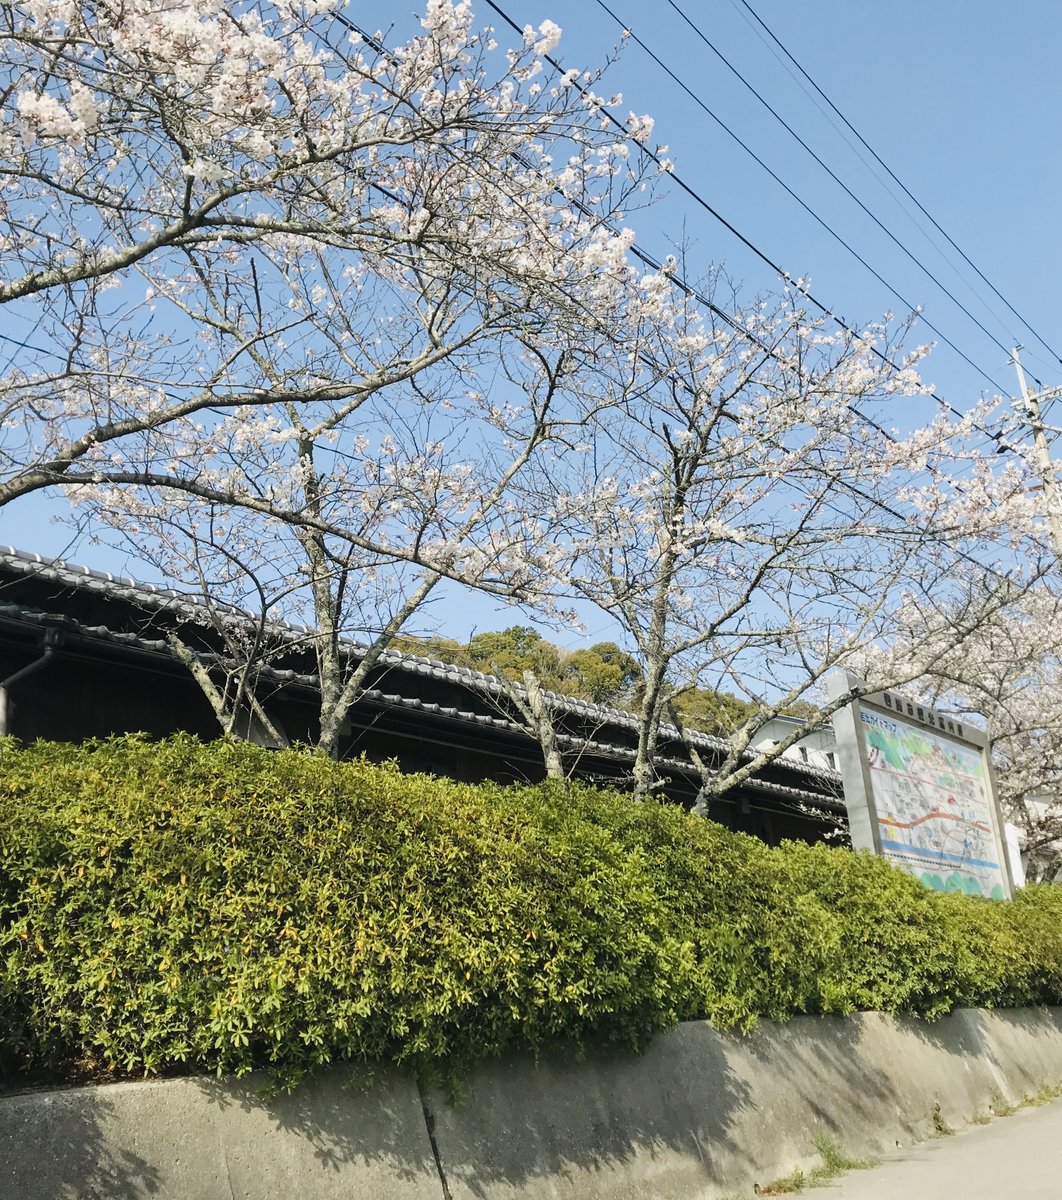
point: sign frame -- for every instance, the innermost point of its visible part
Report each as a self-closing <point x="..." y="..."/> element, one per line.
<point x="863" y="819"/>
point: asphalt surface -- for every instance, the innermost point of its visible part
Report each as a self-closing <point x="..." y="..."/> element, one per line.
<point x="1014" y="1158"/>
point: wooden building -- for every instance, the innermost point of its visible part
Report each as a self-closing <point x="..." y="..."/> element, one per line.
<point x="86" y="654"/>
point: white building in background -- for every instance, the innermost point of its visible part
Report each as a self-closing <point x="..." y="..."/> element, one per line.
<point x="817" y="749"/>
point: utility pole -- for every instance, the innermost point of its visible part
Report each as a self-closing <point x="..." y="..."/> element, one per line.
<point x="1031" y="410"/>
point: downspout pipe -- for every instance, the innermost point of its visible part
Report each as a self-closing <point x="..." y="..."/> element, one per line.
<point x="52" y="639"/>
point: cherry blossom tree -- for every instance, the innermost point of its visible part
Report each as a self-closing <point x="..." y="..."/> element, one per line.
<point x="422" y="493"/>
<point x="186" y="188"/>
<point x="750" y="525"/>
<point x="284" y="288"/>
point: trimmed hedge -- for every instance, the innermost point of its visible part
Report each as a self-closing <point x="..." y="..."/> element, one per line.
<point x="181" y="905"/>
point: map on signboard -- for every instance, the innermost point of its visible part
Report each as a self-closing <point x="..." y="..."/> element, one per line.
<point x="934" y="806"/>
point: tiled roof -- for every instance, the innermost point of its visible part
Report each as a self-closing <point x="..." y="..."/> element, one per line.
<point x="171" y="600"/>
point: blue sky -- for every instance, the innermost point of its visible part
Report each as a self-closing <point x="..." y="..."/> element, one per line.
<point x="961" y="99"/>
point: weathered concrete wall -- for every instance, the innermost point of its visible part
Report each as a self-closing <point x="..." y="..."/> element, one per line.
<point x="704" y="1115"/>
<point x="208" y="1139"/>
<point x="701" y="1115"/>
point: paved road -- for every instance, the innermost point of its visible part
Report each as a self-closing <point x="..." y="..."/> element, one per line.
<point x="1014" y="1158"/>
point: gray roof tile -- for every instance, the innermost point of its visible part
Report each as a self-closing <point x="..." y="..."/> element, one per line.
<point x="170" y="599"/>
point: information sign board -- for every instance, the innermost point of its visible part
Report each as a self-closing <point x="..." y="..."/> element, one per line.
<point x="920" y="791"/>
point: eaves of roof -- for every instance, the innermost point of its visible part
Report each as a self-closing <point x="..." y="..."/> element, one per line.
<point x="150" y="596"/>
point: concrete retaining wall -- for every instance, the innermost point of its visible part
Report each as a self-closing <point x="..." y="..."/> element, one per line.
<point x="700" y="1116"/>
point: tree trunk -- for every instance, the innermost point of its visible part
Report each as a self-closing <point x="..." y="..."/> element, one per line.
<point x="329" y="666"/>
<point x="544" y="728"/>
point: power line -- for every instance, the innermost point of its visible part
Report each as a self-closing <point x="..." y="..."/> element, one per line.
<point x="850" y="142"/>
<point x="899" y="182"/>
<point x="694" y="293"/>
<point x="748" y="243"/>
<point x="636" y="250"/>
<point x="809" y="210"/>
<point x="853" y="489"/>
<point x="1002" y="445"/>
<point x="646" y="259"/>
<point x="19" y="344"/>
<point x="840" y="182"/>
